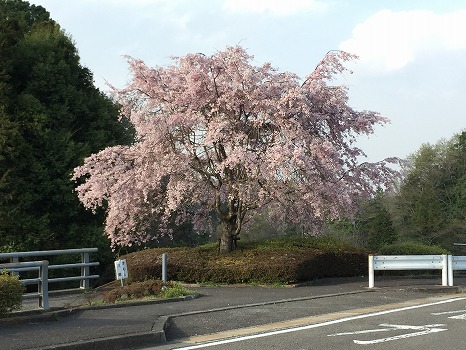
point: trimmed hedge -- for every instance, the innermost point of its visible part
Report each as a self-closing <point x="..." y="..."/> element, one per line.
<point x="281" y="261"/>
<point x="11" y="293"/>
<point x="412" y="248"/>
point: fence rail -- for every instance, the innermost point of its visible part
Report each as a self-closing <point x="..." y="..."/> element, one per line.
<point x="408" y="262"/>
<point x="42" y="280"/>
<point x="446" y="263"/>
<point x="85" y="263"/>
<point x="43" y="267"/>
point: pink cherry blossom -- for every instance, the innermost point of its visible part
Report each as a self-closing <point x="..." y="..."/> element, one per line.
<point x="221" y="135"/>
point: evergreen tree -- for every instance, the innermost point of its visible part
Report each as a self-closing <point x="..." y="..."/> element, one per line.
<point x="51" y="117"/>
<point x="376" y="223"/>
<point x="431" y="203"/>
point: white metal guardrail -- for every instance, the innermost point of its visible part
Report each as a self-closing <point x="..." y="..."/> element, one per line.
<point x="408" y="262"/>
<point x="42" y="280"/>
<point x="446" y="263"/>
<point x="455" y="263"/>
<point x="43" y="267"/>
<point x="85" y="263"/>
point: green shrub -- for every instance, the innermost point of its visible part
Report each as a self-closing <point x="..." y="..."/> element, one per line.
<point x="144" y="289"/>
<point x="174" y="289"/>
<point x="11" y="293"/>
<point x="135" y="290"/>
<point x="411" y="248"/>
<point x="325" y="243"/>
<point x="279" y="261"/>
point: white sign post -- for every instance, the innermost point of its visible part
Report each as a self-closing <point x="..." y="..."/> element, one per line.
<point x="121" y="270"/>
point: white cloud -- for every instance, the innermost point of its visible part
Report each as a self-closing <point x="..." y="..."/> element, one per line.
<point x="274" y="7"/>
<point x="390" y="40"/>
<point x="131" y="3"/>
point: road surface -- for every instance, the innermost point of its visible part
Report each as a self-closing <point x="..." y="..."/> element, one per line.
<point x="435" y="323"/>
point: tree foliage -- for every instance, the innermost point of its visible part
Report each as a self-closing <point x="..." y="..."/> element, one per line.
<point x="219" y="136"/>
<point x="376" y="223"/>
<point x="51" y="117"/>
<point x="431" y="203"/>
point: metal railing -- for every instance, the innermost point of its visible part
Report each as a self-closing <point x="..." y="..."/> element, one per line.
<point x="85" y="263"/>
<point x="42" y="281"/>
<point x="446" y="263"/>
<point x="409" y="262"/>
<point x="455" y="263"/>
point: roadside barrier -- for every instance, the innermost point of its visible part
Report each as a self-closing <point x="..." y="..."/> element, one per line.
<point x="409" y="262"/>
<point x="43" y="267"/>
<point x="41" y="280"/>
<point x="446" y="263"/>
<point x="455" y="263"/>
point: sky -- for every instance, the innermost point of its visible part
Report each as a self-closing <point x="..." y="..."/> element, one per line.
<point x="412" y="54"/>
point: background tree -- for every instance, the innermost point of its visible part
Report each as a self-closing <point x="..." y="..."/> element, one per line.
<point x="431" y="205"/>
<point x="51" y="117"/>
<point x="376" y="223"/>
<point x="218" y="134"/>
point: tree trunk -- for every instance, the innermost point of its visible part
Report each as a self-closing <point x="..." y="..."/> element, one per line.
<point x="226" y="237"/>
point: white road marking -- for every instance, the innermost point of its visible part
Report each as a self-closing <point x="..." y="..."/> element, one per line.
<point x="361" y="332"/>
<point x="397" y="337"/>
<point x="458" y="317"/>
<point x="423" y="330"/>
<point x="447" y="312"/>
<point x="316" y="325"/>
<point x="391" y="328"/>
<point x="401" y="326"/>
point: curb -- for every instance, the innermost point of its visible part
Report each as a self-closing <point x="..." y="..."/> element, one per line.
<point x="120" y="342"/>
<point x="58" y="312"/>
<point x="435" y="289"/>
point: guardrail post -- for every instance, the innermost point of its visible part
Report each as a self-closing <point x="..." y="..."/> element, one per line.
<point x="371" y="271"/>
<point x="450" y="270"/>
<point x="14" y="260"/>
<point x="44" y="285"/>
<point x="444" y="270"/>
<point x="85" y="271"/>
<point x="164" y="267"/>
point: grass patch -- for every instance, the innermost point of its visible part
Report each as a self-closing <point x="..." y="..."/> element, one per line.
<point x="145" y="290"/>
<point x="174" y="290"/>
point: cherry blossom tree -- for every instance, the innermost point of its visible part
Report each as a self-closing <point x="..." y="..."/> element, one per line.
<point x="221" y="137"/>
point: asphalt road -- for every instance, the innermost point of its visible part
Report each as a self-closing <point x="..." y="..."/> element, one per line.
<point x="428" y="323"/>
<point x="433" y="322"/>
<point x="220" y="313"/>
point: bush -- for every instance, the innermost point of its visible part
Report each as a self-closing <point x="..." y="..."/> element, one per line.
<point x="174" y="289"/>
<point x="11" y="293"/>
<point x="144" y="289"/>
<point x="133" y="291"/>
<point x="411" y="248"/>
<point x="283" y="261"/>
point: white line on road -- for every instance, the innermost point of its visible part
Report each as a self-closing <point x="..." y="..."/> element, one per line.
<point x="366" y="331"/>
<point x="422" y="330"/>
<point x="459" y="317"/>
<point x="316" y="325"/>
<point x="397" y="337"/>
<point x="447" y="312"/>
<point x="391" y="328"/>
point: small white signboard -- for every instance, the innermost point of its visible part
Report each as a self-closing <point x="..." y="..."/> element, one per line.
<point x="121" y="269"/>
